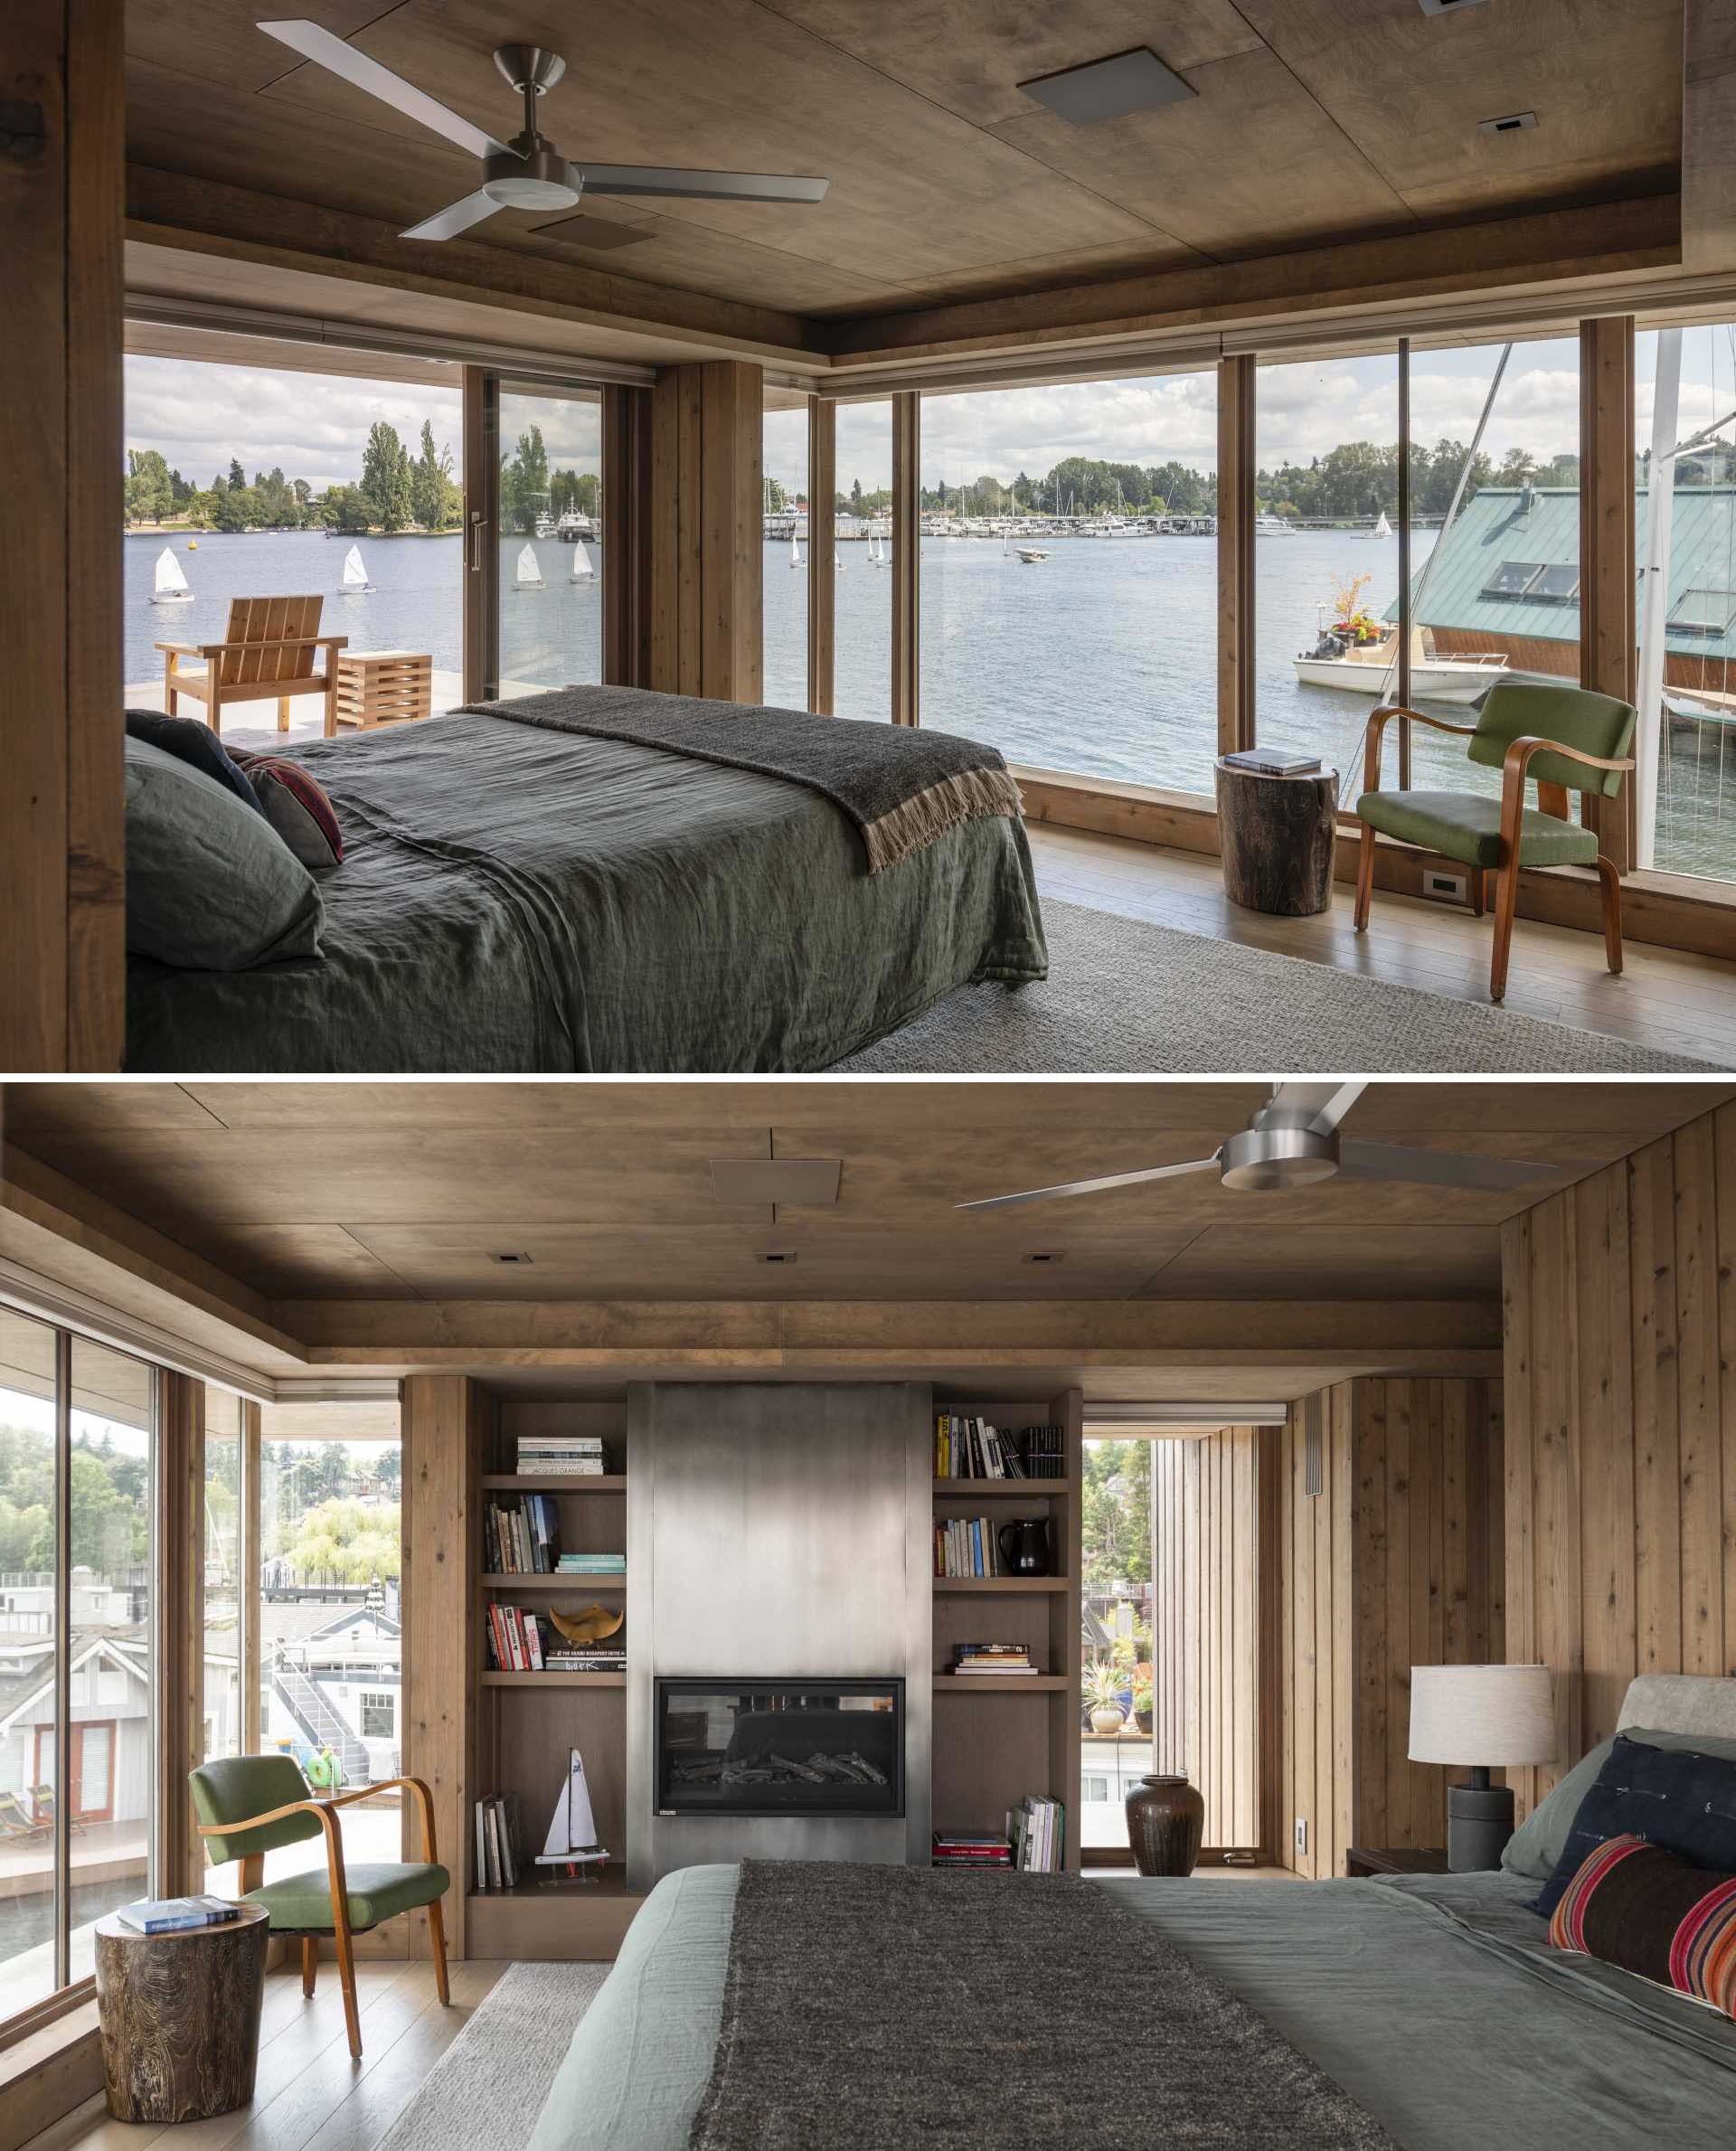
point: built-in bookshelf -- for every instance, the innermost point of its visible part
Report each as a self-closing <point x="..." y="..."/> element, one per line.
<point x="996" y="1739"/>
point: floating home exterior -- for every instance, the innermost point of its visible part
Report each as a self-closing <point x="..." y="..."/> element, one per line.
<point x="1506" y="578"/>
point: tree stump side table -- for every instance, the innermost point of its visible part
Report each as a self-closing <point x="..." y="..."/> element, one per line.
<point x="179" y="2016"/>
<point x="1277" y="835"/>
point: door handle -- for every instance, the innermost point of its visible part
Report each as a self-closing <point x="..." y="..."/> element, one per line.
<point x="476" y="520"/>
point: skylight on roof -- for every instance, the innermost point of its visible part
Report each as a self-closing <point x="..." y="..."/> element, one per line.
<point x="1559" y="583"/>
<point x="1512" y="579"/>
<point x="1703" y="610"/>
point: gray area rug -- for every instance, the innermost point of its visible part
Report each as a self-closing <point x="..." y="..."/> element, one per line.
<point x="868" y="2009"/>
<point x="1127" y="998"/>
<point x="487" y="2089"/>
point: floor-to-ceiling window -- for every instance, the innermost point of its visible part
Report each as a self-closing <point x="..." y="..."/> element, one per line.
<point x="784" y="450"/>
<point x="1116" y="1608"/>
<point x="1069" y="575"/>
<point x="550" y="545"/>
<point x="862" y="604"/>
<point x="225" y="1490"/>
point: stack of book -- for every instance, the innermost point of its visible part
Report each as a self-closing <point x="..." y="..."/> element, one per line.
<point x="1045" y="1452"/>
<point x="178" y="1915"/>
<point x="587" y="1658"/>
<point x="521" y="1537"/>
<point x="970" y="1448"/>
<point x="964" y="1546"/>
<point x="516" y="1639"/>
<point x="591" y="1564"/>
<point x="1036" y="1830"/>
<point x="993" y="1661"/>
<point x="964" y="1848"/>
<point x="500" y="1842"/>
<point x="560" y="1455"/>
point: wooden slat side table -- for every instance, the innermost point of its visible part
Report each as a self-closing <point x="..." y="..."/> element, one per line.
<point x="179" y="2016"/>
<point x="1277" y="835"/>
<point x="383" y="686"/>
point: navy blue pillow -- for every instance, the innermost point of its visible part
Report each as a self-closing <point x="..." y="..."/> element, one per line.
<point x="189" y="740"/>
<point x="1674" y="1797"/>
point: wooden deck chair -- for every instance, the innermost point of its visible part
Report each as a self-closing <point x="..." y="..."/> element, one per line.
<point x="42" y="1799"/>
<point x="269" y="653"/>
<point x="248" y="1805"/>
<point x="17" y="1820"/>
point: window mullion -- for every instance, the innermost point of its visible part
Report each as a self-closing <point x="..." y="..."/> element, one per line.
<point x="62" y="1657"/>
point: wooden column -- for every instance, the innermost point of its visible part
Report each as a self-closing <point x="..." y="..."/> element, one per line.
<point x="822" y="549"/>
<point x="481" y="550"/>
<point x="181" y="1626"/>
<point x="252" y="1728"/>
<point x="626" y="559"/>
<point x="1608" y="631"/>
<point x="446" y="1422"/>
<point x="907" y="557"/>
<point x="1236" y="463"/>
<point x="707" y="525"/>
<point x="62" y="928"/>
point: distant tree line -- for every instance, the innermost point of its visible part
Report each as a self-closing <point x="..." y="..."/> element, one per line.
<point x="396" y="492"/>
<point x="529" y="489"/>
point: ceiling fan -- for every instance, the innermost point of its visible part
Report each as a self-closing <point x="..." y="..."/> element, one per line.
<point x="528" y="171"/>
<point x="1293" y="1141"/>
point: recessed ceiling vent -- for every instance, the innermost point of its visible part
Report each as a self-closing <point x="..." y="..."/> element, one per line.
<point x="1127" y="82"/>
<point x="1515" y="123"/>
<point x="1448" y="7"/>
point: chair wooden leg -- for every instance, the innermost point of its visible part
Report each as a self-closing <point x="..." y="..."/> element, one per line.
<point x="347" y="1974"/>
<point x="283" y="713"/>
<point x="1366" y="878"/>
<point x="309" y="1962"/>
<point x="1506" y="893"/>
<point x="331" y="701"/>
<point x="437" y="1942"/>
<point x="1611" y="881"/>
<point x="214" y="709"/>
<point x="1479" y="893"/>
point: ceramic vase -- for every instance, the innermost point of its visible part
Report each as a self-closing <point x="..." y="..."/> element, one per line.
<point x="1166" y="1816"/>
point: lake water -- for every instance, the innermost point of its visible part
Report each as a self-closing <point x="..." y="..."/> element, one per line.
<point x="1102" y="659"/>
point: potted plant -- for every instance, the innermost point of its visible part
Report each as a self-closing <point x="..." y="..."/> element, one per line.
<point x="1142" y="1705"/>
<point x="1102" y="1694"/>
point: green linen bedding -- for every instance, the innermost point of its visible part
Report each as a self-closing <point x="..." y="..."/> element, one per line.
<point x="1431" y="2000"/>
<point x="520" y="900"/>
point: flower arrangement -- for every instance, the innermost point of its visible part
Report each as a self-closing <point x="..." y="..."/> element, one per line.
<point x="1351" y="615"/>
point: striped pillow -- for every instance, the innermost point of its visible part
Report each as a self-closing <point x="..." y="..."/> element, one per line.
<point x="296" y="807"/>
<point x="1649" y="1912"/>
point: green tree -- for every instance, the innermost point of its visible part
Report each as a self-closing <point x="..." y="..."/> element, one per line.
<point x="385" y="477"/>
<point x="277" y="498"/>
<point x="430" y="483"/>
<point x="236" y="475"/>
<point x="1114" y="1513"/>
<point x="525" y="482"/>
<point x="150" y="486"/>
<point x="855" y="497"/>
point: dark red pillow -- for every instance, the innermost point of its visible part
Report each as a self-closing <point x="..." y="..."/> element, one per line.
<point x="297" y="808"/>
<point x="1653" y="1913"/>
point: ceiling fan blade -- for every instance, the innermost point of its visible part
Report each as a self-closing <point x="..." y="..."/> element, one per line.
<point x="1092" y="1187"/>
<point x="332" y="53"/>
<point x="456" y="217"/>
<point x="707" y="186"/>
<point x="1439" y="1168"/>
<point x="1321" y="1104"/>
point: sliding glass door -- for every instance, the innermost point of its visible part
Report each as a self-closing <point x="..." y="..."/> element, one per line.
<point x="549" y="554"/>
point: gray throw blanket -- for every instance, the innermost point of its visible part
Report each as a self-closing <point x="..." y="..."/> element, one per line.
<point x="871" y="2008"/>
<point x="901" y="786"/>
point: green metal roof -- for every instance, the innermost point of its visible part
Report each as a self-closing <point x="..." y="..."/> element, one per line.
<point x="1504" y="531"/>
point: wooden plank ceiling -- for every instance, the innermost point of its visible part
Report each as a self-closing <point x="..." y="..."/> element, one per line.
<point x="409" y="1190"/>
<point x="1314" y="121"/>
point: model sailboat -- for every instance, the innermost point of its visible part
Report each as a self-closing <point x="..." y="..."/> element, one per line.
<point x="572" y="1830"/>
<point x="355" y="576"/>
<point x="529" y="576"/>
<point x="171" y="583"/>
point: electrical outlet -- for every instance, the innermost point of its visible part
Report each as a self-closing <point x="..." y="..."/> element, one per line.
<point x="1302" y="1833"/>
<point x="1450" y="888"/>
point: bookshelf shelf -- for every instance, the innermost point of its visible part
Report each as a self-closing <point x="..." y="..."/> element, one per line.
<point x="533" y="1584"/>
<point x="1021" y="1584"/>
<point x="543" y="1482"/>
<point x="1005" y="1684"/>
<point x="554" y="1680"/>
<point x="1000" y="1490"/>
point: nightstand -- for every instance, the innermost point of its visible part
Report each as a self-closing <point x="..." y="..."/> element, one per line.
<point x="1394" y="1859"/>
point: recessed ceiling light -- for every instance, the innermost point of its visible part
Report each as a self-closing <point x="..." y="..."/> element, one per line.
<point x="1135" y="82"/>
<point x="519" y="1259"/>
<point x="1447" y="7"/>
<point x="1515" y="123"/>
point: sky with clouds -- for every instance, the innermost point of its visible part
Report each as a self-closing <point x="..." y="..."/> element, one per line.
<point x="314" y="426"/>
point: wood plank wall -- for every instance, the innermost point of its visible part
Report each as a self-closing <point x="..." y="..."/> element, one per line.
<point x="1205" y="1625"/>
<point x="1397" y="1560"/>
<point x="705" y="516"/>
<point x="1620" y="1299"/>
<point x="61" y="807"/>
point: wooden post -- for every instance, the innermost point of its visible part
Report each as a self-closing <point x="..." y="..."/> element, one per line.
<point x="822" y="549"/>
<point x="62" y="927"/>
<point x="1608" y="632"/>
<point x="1236" y="465"/>
<point x="481" y="534"/>
<point x="626" y="561"/>
<point x="252" y="1727"/>
<point x="707" y="526"/>
<point x="907" y="557"/>
<point x="181" y="1626"/>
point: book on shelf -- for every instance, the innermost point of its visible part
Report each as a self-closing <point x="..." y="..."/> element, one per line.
<point x="500" y="1842"/>
<point x="1036" y="1829"/>
<point x="971" y="1448"/>
<point x="591" y="1564"/>
<point x="968" y="1848"/>
<point x="566" y="1456"/>
<point x="966" y="1546"/>
<point x="517" y="1638"/>
<point x="522" y="1536"/>
<point x="177" y="1915"/>
<point x="993" y="1661"/>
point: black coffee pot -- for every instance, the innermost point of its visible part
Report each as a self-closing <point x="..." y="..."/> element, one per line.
<point x="1024" y="1546"/>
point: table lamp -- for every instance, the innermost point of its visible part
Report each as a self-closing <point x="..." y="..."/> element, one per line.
<point x="1481" y="1717"/>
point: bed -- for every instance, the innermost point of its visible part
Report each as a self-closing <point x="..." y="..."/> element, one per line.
<point x="1431" y="2004"/>
<point x="521" y="895"/>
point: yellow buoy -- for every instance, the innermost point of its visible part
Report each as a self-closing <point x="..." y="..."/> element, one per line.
<point x="192" y="544"/>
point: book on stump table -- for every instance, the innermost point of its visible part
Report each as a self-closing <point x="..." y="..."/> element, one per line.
<point x="175" y="1915"/>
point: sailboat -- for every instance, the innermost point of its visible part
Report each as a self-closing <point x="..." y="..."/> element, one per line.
<point x="1383" y="528"/>
<point x="572" y="1829"/>
<point x="529" y="576"/>
<point x="582" y="569"/>
<point x="171" y="583"/>
<point x="795" y="551"/>
<point x="873" y="550"/>
<point x="355" y="582"/>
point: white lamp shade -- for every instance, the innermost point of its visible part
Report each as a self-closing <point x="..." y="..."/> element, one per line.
<point x="1482" y="1715"/>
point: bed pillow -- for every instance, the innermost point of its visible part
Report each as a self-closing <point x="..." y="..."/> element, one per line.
<point x="297" y="807"/>
<point x="1653" y="1913"/>
<point x="211" y="886"/>
<point x="189" y="740"/>
<point x="1682" y="1800"/>
<point x="1535" y="1848"/>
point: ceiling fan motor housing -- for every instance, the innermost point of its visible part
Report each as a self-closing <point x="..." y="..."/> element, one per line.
<point x="533" y="176"/>
<point x="1264" y="1158"/>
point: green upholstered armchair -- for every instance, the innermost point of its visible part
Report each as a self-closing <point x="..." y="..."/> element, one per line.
<point x="1563" y="739"/>
<point x="248" y="1805"/>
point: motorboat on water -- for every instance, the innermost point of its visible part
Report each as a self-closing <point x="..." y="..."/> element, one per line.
<point x="573" y="528"/>
<point x="1032" y="554"/>
<point x="1270" y="526"/>
<point x="1337" y="660"/>
<point x="171" y="584"/>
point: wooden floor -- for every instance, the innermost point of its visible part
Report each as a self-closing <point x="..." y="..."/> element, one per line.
<point x="1669" y="1002"/>
<point x="308" y="2090"/>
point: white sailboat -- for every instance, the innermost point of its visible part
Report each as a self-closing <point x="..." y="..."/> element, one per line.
<point x="837" y="560"/>
<point x="529" y="574"/>
<point x="572" y="1829"/>
<point x="1383" y="528"/>
<point x="582" y="569"/>
<point x="794" y="551"/>
<point x="171" y="583"/>
<point x="873" y="550"/>
<point x="355" y="583"/>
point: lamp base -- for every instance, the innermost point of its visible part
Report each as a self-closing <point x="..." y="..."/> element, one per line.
<point x="1479" y="1821"/>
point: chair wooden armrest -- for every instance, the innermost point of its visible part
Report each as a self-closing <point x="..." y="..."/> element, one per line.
<point x="1377" y="725"/>
<point x="325" y="1808"/>
<point x="182" y="649"/>
<point x="1515" y="765"/>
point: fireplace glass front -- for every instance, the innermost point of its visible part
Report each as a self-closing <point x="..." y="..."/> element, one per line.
<point x="782" y="1746"/>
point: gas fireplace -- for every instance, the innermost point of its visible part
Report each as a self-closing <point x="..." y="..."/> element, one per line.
<point x="807" y="1747"/>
